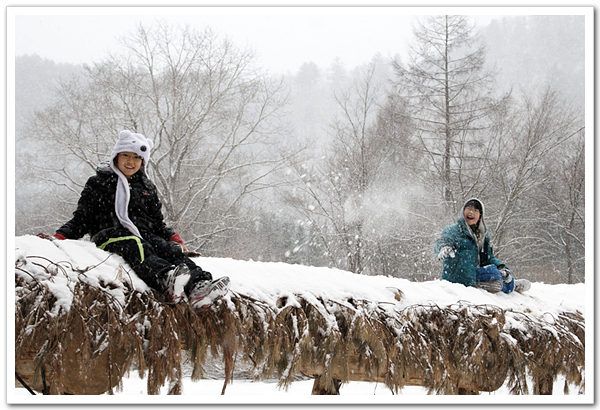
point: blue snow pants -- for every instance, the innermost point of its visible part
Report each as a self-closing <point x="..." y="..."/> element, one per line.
<point x="491" y="272"/>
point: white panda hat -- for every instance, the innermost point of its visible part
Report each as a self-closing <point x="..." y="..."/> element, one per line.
<point x="133" y="142"/>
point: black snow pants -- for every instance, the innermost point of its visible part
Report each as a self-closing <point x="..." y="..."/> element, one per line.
<point x="152" y="257"/>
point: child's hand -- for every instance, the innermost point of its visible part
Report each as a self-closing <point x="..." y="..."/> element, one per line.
<point x="506" y="274"/>
<point x="50" y="238"/>
<point x="177" y="239"/>
<point x="445" y="251"/>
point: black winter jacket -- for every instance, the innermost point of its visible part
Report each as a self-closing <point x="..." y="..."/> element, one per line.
<point x="95" y="214"/>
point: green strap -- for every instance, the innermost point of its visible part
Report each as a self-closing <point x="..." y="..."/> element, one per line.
<point x="124" y="238"/>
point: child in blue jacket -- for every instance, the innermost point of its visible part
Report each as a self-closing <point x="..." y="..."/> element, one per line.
<point x="467" y="256"/>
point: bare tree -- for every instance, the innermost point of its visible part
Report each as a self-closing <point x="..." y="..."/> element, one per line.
<point x="449" y="94"/>
<point x="533" y="131"/>
<point x="212" y="115"/>
<point x="339" y="195"/>
<point x="568" y="204"/>
<point x="542" y="226"/>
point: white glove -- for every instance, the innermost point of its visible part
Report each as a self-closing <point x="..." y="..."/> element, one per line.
<point x="445" y="251"/>
<point x="506" y="274"/>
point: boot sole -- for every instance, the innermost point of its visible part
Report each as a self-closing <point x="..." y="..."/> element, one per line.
<point x="215" y="291"/>
<point x="493" y="286"/>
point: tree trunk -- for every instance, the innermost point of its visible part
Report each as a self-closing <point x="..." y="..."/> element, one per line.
<point x="320" y="389"/>
<point x="544" y="385"/>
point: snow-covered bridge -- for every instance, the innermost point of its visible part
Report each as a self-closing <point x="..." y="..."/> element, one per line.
<point x="83" y="319"/>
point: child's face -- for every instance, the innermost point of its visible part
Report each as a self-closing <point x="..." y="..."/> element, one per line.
<point x="472" y="215"/>
<point x="129" y="163"/>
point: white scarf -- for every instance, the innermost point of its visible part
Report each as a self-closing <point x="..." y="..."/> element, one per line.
<point x="122" y="197"/>
<point x="128" y="142"/>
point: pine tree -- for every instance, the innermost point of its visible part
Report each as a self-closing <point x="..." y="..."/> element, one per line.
<point x="449" y="94"/>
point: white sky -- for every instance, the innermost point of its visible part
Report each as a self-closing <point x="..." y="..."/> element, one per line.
<point x="283" y="37"/>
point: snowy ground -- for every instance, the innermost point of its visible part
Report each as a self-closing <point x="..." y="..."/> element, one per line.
<point x="242" y="391"/>
<point x="268" y="282"/>
<point x="248" y="392"/>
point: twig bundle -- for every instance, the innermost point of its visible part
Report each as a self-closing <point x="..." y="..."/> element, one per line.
<point x="87" y="347"/>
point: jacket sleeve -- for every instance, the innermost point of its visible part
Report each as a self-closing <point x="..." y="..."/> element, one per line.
<point x="493" y="260"/>
<point x="447" y="238"/>
<point x="160" y="227"/>
<point x="78" y="226"/>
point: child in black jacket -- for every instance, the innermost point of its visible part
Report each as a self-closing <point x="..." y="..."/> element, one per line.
<point x="119" y="208"/>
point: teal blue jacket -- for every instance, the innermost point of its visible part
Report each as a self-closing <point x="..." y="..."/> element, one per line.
<point x="462" y="267"/>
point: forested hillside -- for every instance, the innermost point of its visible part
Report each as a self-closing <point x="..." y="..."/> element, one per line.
<point x="333" y="166"/>
<point x="529" y="51"/>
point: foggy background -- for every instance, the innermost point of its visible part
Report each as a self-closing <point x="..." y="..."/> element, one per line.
<point x="325" y="147"/>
